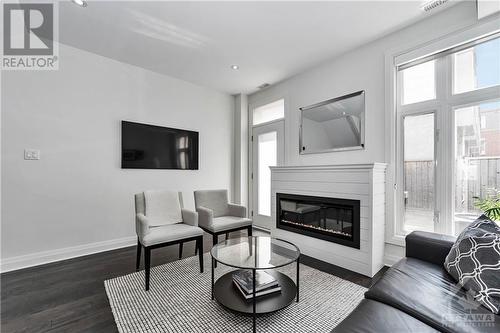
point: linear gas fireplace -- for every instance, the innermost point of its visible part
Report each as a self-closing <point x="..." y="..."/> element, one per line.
<point x="331" y="219"/>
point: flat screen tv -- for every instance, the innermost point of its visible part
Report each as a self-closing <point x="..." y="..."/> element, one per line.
<point x="155" y="147"/>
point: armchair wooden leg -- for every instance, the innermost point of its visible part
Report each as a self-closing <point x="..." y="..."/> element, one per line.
<point x="147" y="265"/>
<point x="138" y="261"/>
<point x="199" y="247"/>
<point x="180" y="250"/>
<point x="249" y="229"/>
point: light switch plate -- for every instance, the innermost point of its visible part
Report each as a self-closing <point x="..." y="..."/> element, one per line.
<point x="31" y="154"/>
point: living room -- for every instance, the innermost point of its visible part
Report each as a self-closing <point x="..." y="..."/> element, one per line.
<point x="285" y="166"/>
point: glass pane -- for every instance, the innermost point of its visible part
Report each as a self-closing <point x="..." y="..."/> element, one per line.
<point x="419" y="173"/>
<point x="255" y="252"/>
<point x="269" y="112"/>
<point x="477" y="159"/>
<point x="477" y="67"/>
<point x="419" y="83"/>
<point x="267" y="156"/>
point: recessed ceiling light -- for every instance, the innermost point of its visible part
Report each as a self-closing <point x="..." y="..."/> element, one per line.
<point x="235" y="67"/>
<point x="81" y="3"/>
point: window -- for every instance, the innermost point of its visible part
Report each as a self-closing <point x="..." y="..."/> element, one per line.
<point x="419" y="83"/>
<point x="267" y="150"/>
<point x="269" y="112"/>
<point x="477" y="67"/>
<point x="419" y="172"/>
<point x="447" y="137"/>
<point x="477" y="159"/>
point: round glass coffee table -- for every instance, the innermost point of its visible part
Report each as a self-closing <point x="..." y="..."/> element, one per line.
<point x="252" y="254"/>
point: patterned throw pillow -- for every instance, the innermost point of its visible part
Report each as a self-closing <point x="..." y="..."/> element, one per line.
<point x="474" y="262"/>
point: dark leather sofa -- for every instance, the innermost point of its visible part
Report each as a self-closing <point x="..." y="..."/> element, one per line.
<point x="418" y="295"/>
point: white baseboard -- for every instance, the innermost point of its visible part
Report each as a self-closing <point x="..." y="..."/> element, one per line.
<point x="35" y="259"/>
<point x="390" y="260"/>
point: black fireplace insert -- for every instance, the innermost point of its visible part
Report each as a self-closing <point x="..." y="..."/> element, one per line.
<point x="331" y="219"/>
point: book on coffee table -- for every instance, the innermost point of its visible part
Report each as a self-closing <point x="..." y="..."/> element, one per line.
<point x="263" y="280"/>
<point x="267" y="291"/>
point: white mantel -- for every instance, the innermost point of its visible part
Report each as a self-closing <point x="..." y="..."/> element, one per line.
<point x="364" y="182"/>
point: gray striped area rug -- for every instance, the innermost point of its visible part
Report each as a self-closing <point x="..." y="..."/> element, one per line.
<point x="179" y="301"/>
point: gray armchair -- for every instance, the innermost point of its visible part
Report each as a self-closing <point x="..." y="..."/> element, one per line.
<point x="161" y="221"/>
<point x="217" y="216"/>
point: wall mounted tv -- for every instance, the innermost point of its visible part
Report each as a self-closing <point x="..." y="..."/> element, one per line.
<point x="154" y="147"/>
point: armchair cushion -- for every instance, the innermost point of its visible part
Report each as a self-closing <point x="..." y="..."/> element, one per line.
<point x="169" y="233"/>
<point x="216" y="200"/>
<point x="162" y="207"/>
<point x="227" y="223"/>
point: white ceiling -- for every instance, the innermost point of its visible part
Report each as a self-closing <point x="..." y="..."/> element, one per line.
<point x="199" y="41"/>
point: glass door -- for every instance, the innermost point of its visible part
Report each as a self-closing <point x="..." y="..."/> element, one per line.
<point x="267" y="151"/>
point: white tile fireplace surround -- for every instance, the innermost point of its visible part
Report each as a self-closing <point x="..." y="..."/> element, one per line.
<point x="363" y="182"/>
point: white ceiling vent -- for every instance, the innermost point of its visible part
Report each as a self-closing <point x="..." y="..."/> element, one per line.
<point x="428" y="6"/>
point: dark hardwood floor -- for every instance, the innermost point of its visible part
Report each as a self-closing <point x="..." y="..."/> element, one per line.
<point x="69" y="296"/>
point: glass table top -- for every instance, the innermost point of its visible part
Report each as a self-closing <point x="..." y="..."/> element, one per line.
<point x="258" y="252"/>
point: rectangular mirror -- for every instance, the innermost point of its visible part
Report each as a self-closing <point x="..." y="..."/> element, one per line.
<point x="333" y="125"/>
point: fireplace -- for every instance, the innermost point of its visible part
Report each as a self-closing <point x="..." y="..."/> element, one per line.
<point x="331" y="219"/>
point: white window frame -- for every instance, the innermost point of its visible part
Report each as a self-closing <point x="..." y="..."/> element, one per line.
<point x="444" y="104"/>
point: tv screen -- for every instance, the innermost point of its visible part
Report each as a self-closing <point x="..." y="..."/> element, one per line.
<point x="154" y="147"/>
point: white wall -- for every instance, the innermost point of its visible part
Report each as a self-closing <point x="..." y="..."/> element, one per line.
<point x="77" y="199"/>
<point x="360" y="69"/>
<point x="240" y="142"/>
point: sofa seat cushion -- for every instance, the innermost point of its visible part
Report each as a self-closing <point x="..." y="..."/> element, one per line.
<point x="372" y="316"/>
<point x="428" y="293"/>
<point x="170" y="233"/>
<point x="228" y="222"/>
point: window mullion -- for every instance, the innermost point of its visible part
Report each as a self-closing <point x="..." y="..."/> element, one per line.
<point x="442" y="88"/>
<point x="475" y="96"/>
<point x="419" y="107"/>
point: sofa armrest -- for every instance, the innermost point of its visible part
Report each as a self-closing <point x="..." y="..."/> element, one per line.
<point x="429" y="246"/>
<point x="189" y="217"/>
<point x="205" y="216"/>
<point x="237" y="210"/>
